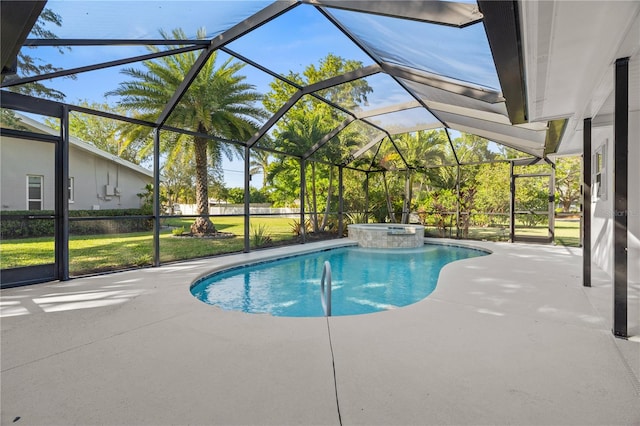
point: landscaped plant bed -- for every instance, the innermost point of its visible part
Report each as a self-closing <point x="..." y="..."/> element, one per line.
<point x="214" y="236"/>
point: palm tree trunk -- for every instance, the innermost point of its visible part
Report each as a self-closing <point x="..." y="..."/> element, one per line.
<point x="203" y="224"/>
<point x="314" y="197"/>
<point x="392" y="216"/>
<point x="325" y="219"/>
<point x="406" y="201"/>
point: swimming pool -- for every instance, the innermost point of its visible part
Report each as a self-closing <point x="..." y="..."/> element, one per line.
<point x="364" y="281"/>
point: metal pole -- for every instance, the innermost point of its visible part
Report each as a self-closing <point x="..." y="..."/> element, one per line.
<point x="458" y="201"/>
<point x="552" y="204"/>
<point x="247" y="198"/>
<point x="586" y="203"/>
<point x="340" y="203"/>
<point x="156" y="197"/>
<point x="512" y="204"/>
<point x="366" y="197"/>
<point x="62" y="199"/>
<point x="620" y="189"/>
<point x="303" y="184"/>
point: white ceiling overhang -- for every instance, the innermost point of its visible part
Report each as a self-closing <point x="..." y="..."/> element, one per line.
<point x="569" y="51"/>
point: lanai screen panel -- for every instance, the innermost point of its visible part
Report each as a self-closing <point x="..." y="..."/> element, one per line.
<point x="143" y="19"/>
<point x="113" y="31"/>
<point x="474" y="149"/>
<point x="350" y="144"/>
<point x="381" y="92"/>
<point x="425" y="148"/>
<point x="244" y="96"/>
<point x="406" y="121"/>
<point x="34" y="123"/>
<point x="462" y="54"/>
<point x="517" y="137"/>
<point x="464" y="102"/>
<point x="309" y="38"/>
<point x="302" y="127"/>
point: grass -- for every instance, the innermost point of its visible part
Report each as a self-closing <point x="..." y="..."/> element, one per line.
<point x="97" y="253"/>
<point x="567" y="232"/>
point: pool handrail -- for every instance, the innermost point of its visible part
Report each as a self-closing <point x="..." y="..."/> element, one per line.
<point x="325" y="291"/>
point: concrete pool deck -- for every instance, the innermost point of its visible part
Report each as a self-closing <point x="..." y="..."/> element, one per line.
<point x="510" y="338"/>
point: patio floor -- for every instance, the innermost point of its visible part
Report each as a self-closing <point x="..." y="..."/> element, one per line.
<point x="510" y="338"/>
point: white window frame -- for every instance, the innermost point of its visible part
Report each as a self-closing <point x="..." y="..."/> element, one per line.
<point x="599" y="171"/>
<point x="71" y="189"/>
<point x="41" y="199"/>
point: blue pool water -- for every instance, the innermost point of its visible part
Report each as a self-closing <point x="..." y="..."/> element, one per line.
<point x="364" y="281"/>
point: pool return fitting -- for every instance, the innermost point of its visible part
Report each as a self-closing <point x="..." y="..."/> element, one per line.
<point x="325" y="291"/>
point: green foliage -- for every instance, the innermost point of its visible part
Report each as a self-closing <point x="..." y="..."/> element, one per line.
<point x="257" y="196"/>
<point x="218" y="102"/>
<point x="260" y="236"/>
<point x="359" y="217"/>
<point x="568" y="175"/>
<point x="178" y="231"/>
<point x="29" y="65"/>
<point x="107" y="134"/>
<point x="146" y="196"/>
<point x="306" y="123"/>
<point x="296" y="228"/>
<point x="16" y="224"/>
<point x="439" y="209"/>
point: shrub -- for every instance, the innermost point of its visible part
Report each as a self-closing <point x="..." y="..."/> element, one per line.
<point x="22" y="224"/>
<point x="177" y="231"/>
<point x="260" y="236"/>
<point x="357" y="217"/>
<point x="297" y="229"/>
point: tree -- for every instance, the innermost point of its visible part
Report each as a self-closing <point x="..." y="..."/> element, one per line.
<point x="303" y="133"/>
<point x="568" y="175"/>
<point x="106" y="134"/>
<point x="260" y="162"/>
<point x="417" y="149"/>
<point x="494" y="192"/>
<point x="218" y="103"/>
<point x="28" y="65"/>
<point x="307" y="122"/>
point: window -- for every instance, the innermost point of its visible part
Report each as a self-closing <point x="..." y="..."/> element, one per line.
<point x="34" y="192"/>
<point x="599" y="168"/>
<point x="70" y="190"/>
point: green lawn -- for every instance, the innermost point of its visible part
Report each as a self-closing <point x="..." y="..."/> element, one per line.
<point x="567" y="232"/>
<point x="96" y="253"/>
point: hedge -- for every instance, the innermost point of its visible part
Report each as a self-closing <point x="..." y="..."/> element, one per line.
<point x="17" y="224"/>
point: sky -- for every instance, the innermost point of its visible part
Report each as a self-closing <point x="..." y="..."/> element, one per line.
<point x="292" y="41"/>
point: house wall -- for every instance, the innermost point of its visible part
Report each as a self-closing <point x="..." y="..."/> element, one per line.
<point x="602" y="209"/>
<point x="91" y="176"/>
<point x="602" y="220"/>
<point x="634" y="199"/>
<point x="20" y="157"/>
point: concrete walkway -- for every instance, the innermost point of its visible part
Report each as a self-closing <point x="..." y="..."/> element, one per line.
<point x="510" y="338"/>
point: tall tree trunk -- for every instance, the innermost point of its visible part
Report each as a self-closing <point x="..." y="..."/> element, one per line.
<point x="203" y="224"/>
<point x="314" y="197"/>
<point x="327" y="208"/>
<point x="392" y="215"/>
<point x="406" y="203"/>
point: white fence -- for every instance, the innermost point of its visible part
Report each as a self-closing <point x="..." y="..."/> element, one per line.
<point x="238" y="209"/>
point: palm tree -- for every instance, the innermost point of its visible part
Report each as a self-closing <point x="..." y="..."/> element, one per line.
<point x="418" y="149"/>
<point x="260" y="162"/>
<point x="297" y="137"/>
<point x="218" y="103"/>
